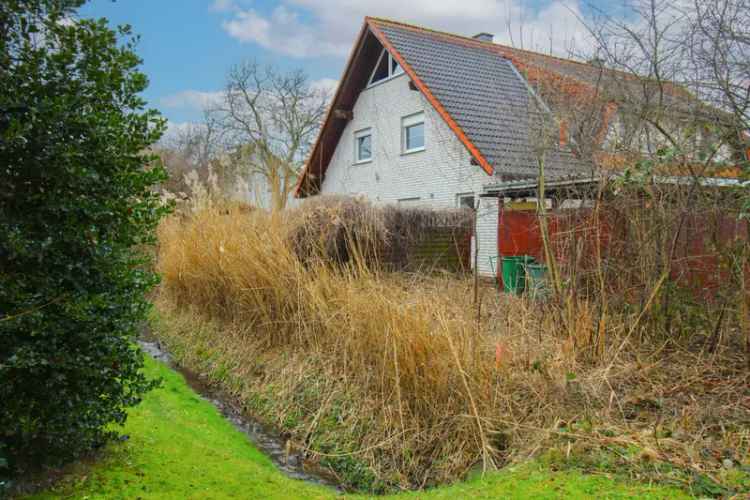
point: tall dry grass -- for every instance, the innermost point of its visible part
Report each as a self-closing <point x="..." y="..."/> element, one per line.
<point x="388" y="378"/>
<point x="422" y="384"/>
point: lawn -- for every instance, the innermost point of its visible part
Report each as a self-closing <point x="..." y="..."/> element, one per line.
<point x="180" y="446"/>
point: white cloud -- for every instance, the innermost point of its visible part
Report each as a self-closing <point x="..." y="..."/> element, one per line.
<point x="327" y="85"/>
<point x="191" y="99"/>
<point x="324" y="28"/>
<point x="196" y="100"/>
<point x="283" y="32"/>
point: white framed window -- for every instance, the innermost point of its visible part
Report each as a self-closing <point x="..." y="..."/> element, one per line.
<point x="465" y="200"/>
<point x="363" y="146"/>
<point x="412" y="133"/>
<point x="386" y="68"/>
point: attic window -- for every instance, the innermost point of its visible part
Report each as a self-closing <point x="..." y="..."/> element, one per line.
<point x="386" y="68"/>
<point x="395" y="67"/>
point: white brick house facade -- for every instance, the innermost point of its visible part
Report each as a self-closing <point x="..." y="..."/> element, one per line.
<point x="434" y="177"/>
<point x="462" y="98"/>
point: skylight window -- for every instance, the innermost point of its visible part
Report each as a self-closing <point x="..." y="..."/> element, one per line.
<point x="386" y="68"/>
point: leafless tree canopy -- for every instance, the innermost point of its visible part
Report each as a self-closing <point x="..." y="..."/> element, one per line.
<point x="682" y="70"/>
<point x="258" y="134"/>
<point x="269" y="119"/>
<point x="718" y="46"/>
<point x="191" y="154"/>
<point x="198" y="143"/>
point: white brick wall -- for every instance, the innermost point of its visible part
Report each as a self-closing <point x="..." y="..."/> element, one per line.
<point x="435" y="176"/>
<point x="487" y="220"/>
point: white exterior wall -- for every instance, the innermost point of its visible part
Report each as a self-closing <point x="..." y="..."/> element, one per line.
<point x="436" y="175"/>
<point x="487" y="221"/>
<point x="693" y="140"/>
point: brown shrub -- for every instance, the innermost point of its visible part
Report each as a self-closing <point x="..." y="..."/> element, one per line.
<point x="334" y="228"/>
<point x="394" y="371"/>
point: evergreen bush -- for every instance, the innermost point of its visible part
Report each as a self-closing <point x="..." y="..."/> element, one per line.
<point x="77" y="211"/>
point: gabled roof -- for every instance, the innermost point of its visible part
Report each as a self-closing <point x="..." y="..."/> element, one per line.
<point x="473" y="85"/>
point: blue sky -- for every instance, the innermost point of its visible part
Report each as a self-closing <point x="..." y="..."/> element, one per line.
<point x="188" y="45"/>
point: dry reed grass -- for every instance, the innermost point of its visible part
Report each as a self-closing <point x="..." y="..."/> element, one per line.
<point x="390" y="380"/>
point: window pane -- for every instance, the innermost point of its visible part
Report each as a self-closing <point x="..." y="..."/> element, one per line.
<point x="466" y="201"/>
<point x="415" y="136"/>
<point x="395" y="68"/>
<point x="364" y="147"/>
<point x="381" y="72"/>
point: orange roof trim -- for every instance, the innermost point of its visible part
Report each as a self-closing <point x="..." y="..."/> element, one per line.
<point x="370" y="24"/>
<point x="522" y="59"/>
<point x="431" y="98"/>
<point x="304" y="175"/>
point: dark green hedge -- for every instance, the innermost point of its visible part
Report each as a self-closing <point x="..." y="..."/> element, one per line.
<point x="76" y="207"/>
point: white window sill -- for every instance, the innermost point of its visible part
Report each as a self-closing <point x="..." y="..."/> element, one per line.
<point x="362" y="162"/>
<point x="412" y="151"/>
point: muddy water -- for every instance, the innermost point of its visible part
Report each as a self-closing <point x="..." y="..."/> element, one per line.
<point x="286" y="459"/>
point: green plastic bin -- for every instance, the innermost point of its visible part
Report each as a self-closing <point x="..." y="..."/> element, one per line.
<point x="514" y="278"/>
<point x="536" y="280"/>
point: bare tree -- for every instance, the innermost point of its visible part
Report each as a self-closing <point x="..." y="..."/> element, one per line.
<point x="679" y="67"/>
<point x="270" y="120"/>
<point x="718" y="51"/>
<point x="191" y="154"/>
<point x="678" y="79"/>
<point x="199" y="143"/>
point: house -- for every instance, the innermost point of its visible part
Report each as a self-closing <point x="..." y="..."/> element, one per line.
<point x="427" y="118"/>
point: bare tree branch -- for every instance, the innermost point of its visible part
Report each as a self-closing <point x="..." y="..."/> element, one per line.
<point x="270" y="119"/>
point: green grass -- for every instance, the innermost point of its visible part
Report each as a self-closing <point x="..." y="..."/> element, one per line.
<point x="180" y="447"/>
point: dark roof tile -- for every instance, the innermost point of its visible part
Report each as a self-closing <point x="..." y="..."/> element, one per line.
<point x="485" y="95"/>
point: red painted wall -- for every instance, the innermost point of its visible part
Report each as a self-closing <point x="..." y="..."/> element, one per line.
<point x="696" y="263"/>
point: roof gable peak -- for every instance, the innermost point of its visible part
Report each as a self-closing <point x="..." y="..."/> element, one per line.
<point x="471" y="90"/>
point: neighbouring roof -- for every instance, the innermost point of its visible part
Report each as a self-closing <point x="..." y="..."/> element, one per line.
<point x="474" y="86"/>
